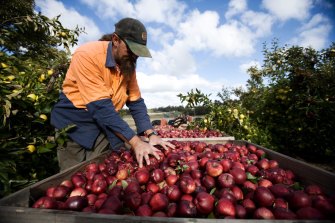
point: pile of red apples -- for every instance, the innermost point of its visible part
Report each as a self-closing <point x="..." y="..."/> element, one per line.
<point x="195" y="180"/>
<point x="168" y="131"/>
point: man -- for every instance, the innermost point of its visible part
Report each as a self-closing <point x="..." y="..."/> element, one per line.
<point x="100" y="80"/>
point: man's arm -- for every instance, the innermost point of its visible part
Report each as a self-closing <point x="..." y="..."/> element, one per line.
<point x="139" y="112"/>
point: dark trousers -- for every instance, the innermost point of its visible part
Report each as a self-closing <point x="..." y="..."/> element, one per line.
<point x="72" y="153"/>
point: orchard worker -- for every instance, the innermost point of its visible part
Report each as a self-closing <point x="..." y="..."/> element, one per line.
<point x="101" y="79"/>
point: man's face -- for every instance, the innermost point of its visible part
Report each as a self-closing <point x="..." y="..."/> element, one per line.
<point x="125" y="59"/>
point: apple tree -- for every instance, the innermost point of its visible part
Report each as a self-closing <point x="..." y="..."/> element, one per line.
<point x="34" y="53"/>
<point x="225" y="115"/>
<point x="292" y="96"/>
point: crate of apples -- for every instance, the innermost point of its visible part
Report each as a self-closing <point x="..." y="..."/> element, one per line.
<point x="168" y="131"/>
<point x="195" y="180"/>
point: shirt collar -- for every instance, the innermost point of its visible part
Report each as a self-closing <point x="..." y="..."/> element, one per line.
<point x="110" y="62"/>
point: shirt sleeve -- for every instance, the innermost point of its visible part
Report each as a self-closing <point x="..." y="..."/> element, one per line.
<point x="138" y="111"/>
<point x="104" y="113"/>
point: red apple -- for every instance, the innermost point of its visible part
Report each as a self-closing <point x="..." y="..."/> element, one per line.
<point x="91" y="199"/>
<point x="299" y="199"/>
<point x="252" y="169"/>
<point x="264" y="183"/>
<point x="159" y="202"/>
<point x="204" y="203"/>
<point x="237" y="192"/>
<point x="263" y="197"/>
<point x="99" y="186"/>
<point x="144" y="210"/>
<point x="249" y="186"/>
<point x="225" y="207"/>
<point x="279" y="190"/>
<point x="157" y="175"/>
<point x="208" y="182"/>
<point x="78" y="191"/>
<point x="226" y="180"/>
<point x="284" y="213"/>
<point x="226" y="165"/>
<point x="122" y="174"/>
<point x="309" y="213"/>
<point x="67" y="183"/>
<point x="239" y="175"/>
<point x="174" y="193"/>
<point x="187" y="185"/>
<point x="76" y="203"/>
<point x="171" y="179"/>
<point x="154" y="188"/>
<point x="186" y="209"/>
<point x="45" y="202"/>
<point x="132" y="200"/>
<point x="61" y="192"/>
<point x="171" y="210"/>
<point x="313" y="189"/>
<point x="50" y="191"/>
<point x="112" y="203"/>
<point x="214" y="168"/>
<point x="263" y="213"/>
<point x="78" y="180"/>
<point x="249" y="205"/>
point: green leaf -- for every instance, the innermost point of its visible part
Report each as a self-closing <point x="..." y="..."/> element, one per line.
<point x="250" y="176"/>
<point x="43" y="149"/>
<point x="212" y="191"/>
<point x="124" y="184"/>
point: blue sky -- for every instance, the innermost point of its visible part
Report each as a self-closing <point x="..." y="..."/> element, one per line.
<point x="204" y="44"/>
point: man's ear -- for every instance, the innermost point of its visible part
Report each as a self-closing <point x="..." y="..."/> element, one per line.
<point x="115" y="39"/>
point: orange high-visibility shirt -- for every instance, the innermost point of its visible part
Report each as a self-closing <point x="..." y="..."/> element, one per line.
<point x="90" y="78"/>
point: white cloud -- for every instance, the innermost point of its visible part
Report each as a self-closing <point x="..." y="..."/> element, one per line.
<point x="168" y="12"/>
<point x="235" y="7"/>
<point x="245" y="66"/>
<point x="288" y="9"/>
<point x="70" y="19"/>
<point x="107" y="9"/>
<point x="159" y="36"/>
<point x="260" y="23"/>
<point x="202" y="31"/>
<point x="174" y="60"/>
<point x="160" y="90"/>
<point x="314" y="33"/>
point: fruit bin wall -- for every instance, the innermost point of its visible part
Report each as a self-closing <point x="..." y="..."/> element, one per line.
<point x="16" y="207"/>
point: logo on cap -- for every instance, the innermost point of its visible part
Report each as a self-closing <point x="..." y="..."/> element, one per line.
<point x="144" y="36"/>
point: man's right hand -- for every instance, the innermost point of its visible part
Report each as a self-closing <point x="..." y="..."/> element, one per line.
<point x="143" y="150"/>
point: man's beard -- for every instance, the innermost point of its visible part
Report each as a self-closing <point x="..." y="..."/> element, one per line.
<point x="126" y="64"/>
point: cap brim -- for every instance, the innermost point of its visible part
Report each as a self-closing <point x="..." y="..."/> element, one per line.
<point x="138" y="49"/>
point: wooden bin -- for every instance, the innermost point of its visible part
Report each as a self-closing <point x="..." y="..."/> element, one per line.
<point x="15" y="208"/>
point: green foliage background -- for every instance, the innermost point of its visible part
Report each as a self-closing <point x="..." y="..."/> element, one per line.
<point x="31" y="70"/>
<point x="288" y="104"/>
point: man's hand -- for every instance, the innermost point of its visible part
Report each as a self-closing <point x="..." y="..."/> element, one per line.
<point x="156" y="140"/>
<point x="143" y="150"/>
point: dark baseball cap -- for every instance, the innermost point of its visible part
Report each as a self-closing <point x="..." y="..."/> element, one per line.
<point x="134" y="34"/>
